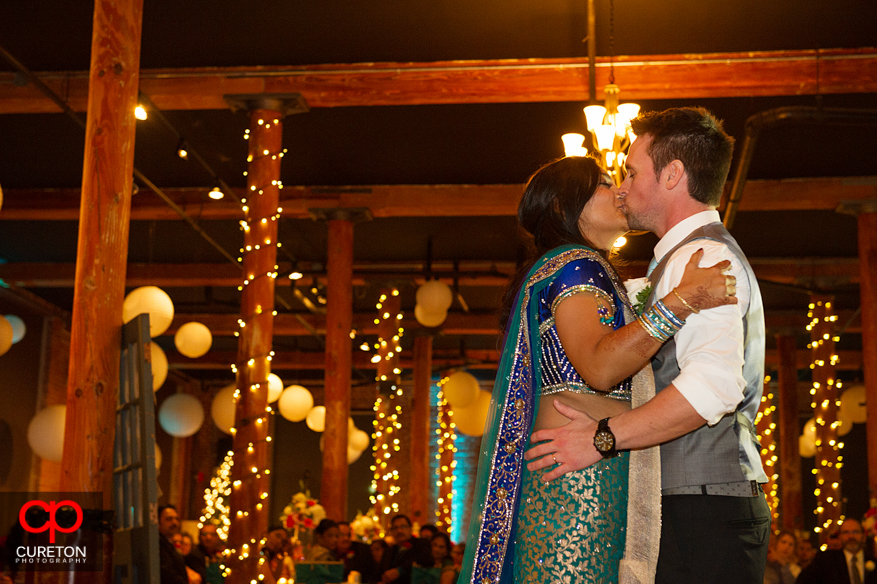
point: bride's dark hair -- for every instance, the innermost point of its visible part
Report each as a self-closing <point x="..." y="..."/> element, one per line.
<point x="548" y="215"/>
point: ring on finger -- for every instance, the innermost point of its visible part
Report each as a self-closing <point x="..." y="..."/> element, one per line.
<point x="554" y="457"/>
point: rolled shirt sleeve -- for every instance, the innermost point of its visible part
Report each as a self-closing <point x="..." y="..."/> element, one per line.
<point x="709" y="348"/>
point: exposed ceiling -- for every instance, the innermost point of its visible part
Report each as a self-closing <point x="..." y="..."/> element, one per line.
<point x="470" y="123"/>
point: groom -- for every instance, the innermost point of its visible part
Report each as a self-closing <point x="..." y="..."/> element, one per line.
<point x="709" y="377"/>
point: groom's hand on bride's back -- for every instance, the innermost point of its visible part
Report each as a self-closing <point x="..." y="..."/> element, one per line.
<point x="567" y="448"/>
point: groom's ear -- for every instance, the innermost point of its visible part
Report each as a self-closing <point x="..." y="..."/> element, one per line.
<point x="672" y="174"/>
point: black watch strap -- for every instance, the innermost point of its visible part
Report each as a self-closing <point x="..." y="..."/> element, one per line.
<point x="604" y="440"/>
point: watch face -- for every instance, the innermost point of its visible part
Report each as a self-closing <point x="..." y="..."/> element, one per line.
<point x="604" y="441"/>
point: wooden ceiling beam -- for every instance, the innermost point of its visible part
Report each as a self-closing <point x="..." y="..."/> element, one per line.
<point x="641" y="77"/>
<point x="385" y="201"/>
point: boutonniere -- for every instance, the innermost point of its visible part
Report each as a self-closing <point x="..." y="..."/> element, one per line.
<point x="638" y="291"/>
<point x="869" y="566"/>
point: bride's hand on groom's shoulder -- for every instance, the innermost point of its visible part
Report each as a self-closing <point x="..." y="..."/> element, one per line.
<point x="566" y="448"/>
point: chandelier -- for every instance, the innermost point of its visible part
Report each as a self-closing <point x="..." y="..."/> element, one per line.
<point x="609" y="124"/>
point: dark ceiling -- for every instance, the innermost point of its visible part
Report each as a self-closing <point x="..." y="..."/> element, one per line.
<point x="478" y="144"/>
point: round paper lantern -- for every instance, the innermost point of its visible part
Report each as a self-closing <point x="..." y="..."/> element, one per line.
<point x="222" y="408"/>
<point x="157" y="457"/>
<point x="846" y="424"/>
<point x="159" y="366"/>
<point x="45" y="433"/>
<point x="151" y="300"/>
<point x="852" y="404"/>
<point x="429" y="319"/>
<point x="435" y="296"/>
<point x="295" y="402"/>
<point x="471" y="420"/>
<point x="18" y="327"/>
<point x="358" y="440"/>
<point x="806" y="446"/>
<point x="461" y="389"/>
<point x="193" y="339"/>
<point x="316" y="419"/>
<point x="810" y="428"/>
<point x="275" y="388"/>
<point x="181" y="415"/>
<point x="6" y="335"/>
<point x="353" y="455"/>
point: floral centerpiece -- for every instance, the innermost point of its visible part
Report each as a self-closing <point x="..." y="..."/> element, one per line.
<point x="302" y="514"/>
<point x="366" y="527"/>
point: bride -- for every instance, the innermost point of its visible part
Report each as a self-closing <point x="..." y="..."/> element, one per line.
<point x="571" y="335"/>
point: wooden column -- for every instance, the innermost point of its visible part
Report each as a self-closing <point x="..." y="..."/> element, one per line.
<point x="825" y="400"/>
<point x="866" y="217"/>
<point x="420" y="437"/>
<point x="250" y="473"/>
<point x="99" y="289"/>
<point x="791" y="500"/>
<point x="339" y="321"/>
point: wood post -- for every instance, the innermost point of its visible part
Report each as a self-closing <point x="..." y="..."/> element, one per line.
<point x="250" y="473"/>
<point x="96" y="331"/>
<point x="868" y="300"/>
<point x="791" y="500"/>
<point x="420" y="437"/>
<point x="339" y="359"/>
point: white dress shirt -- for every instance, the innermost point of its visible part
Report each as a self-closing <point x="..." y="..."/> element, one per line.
<point x="709" y="348"/>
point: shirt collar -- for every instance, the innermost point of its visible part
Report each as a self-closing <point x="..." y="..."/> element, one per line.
<point x="678" y="232"/>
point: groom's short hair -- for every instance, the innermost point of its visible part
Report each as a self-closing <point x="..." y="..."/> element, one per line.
<point x="695" y="137"/>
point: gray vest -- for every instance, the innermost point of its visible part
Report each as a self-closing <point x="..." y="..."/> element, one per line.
<point x="728" y="452"/>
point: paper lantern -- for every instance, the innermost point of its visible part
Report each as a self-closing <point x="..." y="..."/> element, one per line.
<point x="316" y="419"/>
<point x="193" y="339"/>
<point x="6" y="335"/>
<point x="45" y="433"/>
<point x="353" y="455"/>
<point x="153" y="301"/>
<point x="429" y="319"/>
<point x="471" y="420"/>
<point x="275" y="388"/>
<point x="806" y="446"/>
<point x="295" y="402"/>
<point x="159" y="366"/>
<point x="845" y="424"/>
<point x="810" y="428"/>
<point x="461" y="389"/>
<point x="18" y="327"/>
<point x="157" y="457"/>
<point x="222" y="408"/>
<point x="852" y="404"/>
<point x="181" y="415"/>
<point x="435" y="296"/>
<point x="358" y="440"/>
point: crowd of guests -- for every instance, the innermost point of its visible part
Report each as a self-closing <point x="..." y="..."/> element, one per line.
<point x="428" y="557"/>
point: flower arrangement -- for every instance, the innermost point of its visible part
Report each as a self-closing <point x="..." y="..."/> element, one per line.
<point x="366" y="527"/>
<point x="638" y="291"/>
<point x="303" y="513"/>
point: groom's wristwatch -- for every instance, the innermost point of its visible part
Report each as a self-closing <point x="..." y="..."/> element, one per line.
<point x="604" y="439"/>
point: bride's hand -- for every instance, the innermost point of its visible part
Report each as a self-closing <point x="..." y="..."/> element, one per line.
<point x="704" y="288"/>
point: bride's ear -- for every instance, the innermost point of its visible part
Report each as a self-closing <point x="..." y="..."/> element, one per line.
<point x="672" y="174"/>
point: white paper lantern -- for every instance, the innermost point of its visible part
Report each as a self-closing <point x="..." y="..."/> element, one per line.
<point x="45" y="433"/>
<point x="151" y="300"/>
<point x="193" y="339"/>
<point x="810" y="428"/>
<point x="159" y="366"/>
<point x="275" y="388"/>
<point x="806" y="446"/>
<point x="358" y="440"/>
<point x="295" y="402"/>
<point x="157" y="457"/>
<point x="181" y="415"/>
<point x="353" y="455"/>
<point x="852" y="404"/>
<point x="429" y="319"/>
<point x="6" y="335"/>
<point x="222" y="408"/>
<point x="435" y="296"/>
<point x="316" y="419"/>
<point x="471" y="420"/>
<point x="461" y="389"/>
<point x="845" y="425"/>
<point x="18" y="327"/>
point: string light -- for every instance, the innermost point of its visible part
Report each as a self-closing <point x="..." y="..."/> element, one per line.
<point x="447" y="436"/>
<point x="216" y="194"/>
<point x="765" y="426"/>
<point x="216" y="498"/>
<point x="140" y="112"/>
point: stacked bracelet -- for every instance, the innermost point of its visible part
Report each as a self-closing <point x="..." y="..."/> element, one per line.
<point x="684" y="303"/>
<point x="660" y="322"/>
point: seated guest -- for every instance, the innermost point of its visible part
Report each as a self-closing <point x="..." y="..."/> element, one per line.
<point x="208" y="554"/>
<point x="781" y="565"/>
<point x="357" y="556"/>
<point x="193" y="562"/>
<point x="380" y="551"/>
<point x="449" y="575"/>
<point x="405" y="552"/>
<point x="806" y="549"/>
<point x="441" y="551"/>
<point x="326" y="535"/>
<point x="172" y="566"/>
<point x="278" y="566"/>
<point x="848" y="565"/>
<point x="428" y="531"/>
